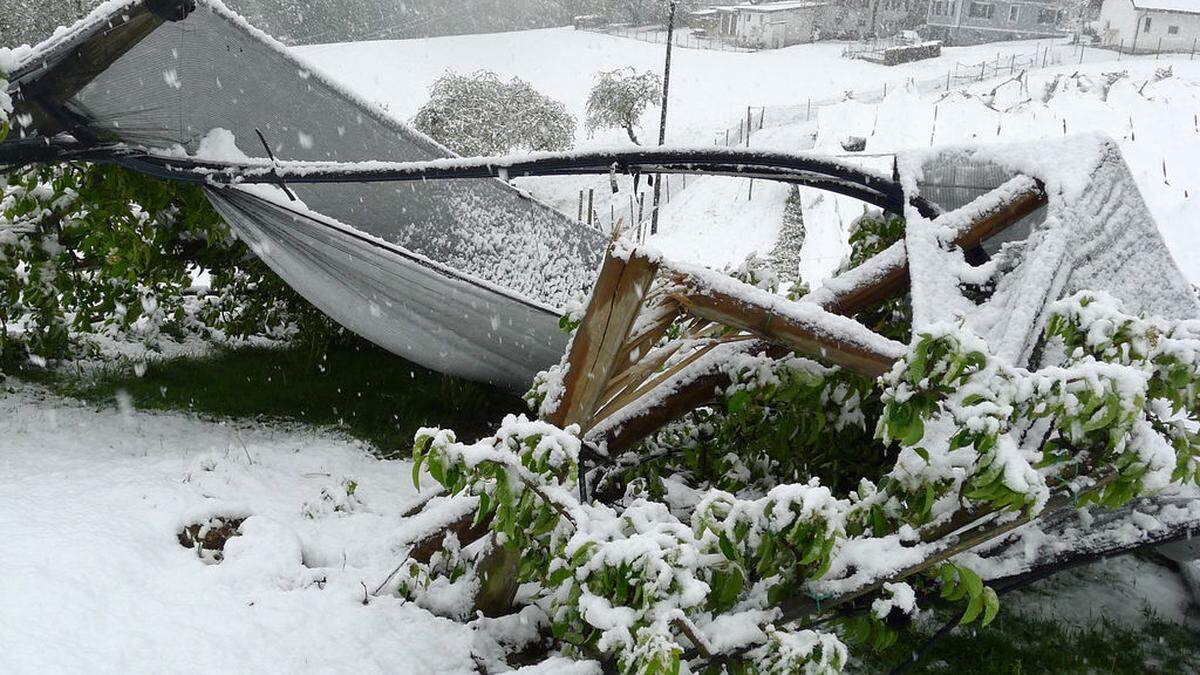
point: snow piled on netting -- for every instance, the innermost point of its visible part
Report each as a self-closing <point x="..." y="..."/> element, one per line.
<point x="1095" y="234"/>
<point x="496" y="265"/>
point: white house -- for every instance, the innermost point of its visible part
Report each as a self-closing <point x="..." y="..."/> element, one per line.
<point x="771" y="24"/>
<point x="1150" y="25"/>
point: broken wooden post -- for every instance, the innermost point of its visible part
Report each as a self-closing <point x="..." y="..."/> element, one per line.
<point x="875" y="280"/>
<point x="624" y="280"/>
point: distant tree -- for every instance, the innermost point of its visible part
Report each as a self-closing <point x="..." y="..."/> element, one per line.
<point x="480" y="114"/>
<point x="619" y="99"/>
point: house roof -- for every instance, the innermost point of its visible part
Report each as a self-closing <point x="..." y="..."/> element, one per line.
<point x="771" y="6"/>
<point x="1180" y="6"/>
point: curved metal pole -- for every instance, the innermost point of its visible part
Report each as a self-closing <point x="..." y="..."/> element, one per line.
<point x="807" y="169"/>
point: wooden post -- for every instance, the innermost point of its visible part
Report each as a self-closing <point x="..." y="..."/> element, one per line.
<point x="580" y="216"/>
<point x="41" y="98"/>
<point x="809" y="338"/>
<point x="750" y="194"/>
<point x="591" y="212"/>
<point x="616" y="300"/>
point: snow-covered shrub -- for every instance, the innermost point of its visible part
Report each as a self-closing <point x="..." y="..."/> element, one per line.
<point x="870" y="234"/>
<point x="619" y="98"/>
<point x="89" y="249"/>
<point x="480" y="114"/>
<point x="756" y="535"/>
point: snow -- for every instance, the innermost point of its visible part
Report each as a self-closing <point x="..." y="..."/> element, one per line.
<point x="713" y="221"/>
<point x="94" y="577"/>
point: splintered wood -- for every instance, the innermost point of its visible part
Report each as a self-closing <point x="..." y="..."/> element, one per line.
<point x="620" y="365"/>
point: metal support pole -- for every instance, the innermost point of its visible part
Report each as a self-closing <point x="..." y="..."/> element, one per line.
<point x="662" y="124"/>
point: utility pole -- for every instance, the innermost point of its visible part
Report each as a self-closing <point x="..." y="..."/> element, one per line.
<point x="662" y="124"/>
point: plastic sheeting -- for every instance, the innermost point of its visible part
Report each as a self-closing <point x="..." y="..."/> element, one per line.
<point x="422" y="310"/>
<point x="1098" y="236"/>
<point x="468" y="255"/>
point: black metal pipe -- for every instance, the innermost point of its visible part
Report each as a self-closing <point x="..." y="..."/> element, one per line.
<point x="809" y="170"/>
<point x="806" y="169"/>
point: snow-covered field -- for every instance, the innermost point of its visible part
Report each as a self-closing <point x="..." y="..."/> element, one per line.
<point x="718" y="222"/>
<point x="94" y="579"/>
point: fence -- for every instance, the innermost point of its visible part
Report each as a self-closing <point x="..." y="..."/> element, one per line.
<point x="683" y="37"/>
<point x="760" y="117"/>
<point x="1155" y="46"/>
<point x="876" y="44"/>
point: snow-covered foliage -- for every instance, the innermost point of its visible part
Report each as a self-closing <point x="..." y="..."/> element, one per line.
<point x="91" y="250"/>
<point x="478" y="114"/>
<point x="747" y="532"/>
<point x="619" y="98"/>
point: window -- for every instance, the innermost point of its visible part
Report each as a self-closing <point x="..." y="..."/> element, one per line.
<point x="981" y="10"/>
<point x="1013" y="13"/>
<point x="1147" y="28"/>
<point x="939" y="8"/>
<point x="1047" y="16"/>
<point x="1172" y="30"/>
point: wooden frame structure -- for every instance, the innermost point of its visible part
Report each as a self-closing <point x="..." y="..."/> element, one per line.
<point x="623" y="382"/>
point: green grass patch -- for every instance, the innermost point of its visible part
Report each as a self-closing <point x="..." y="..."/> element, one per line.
<point x="1019" y="644"/>
<point x="357" y="388"/>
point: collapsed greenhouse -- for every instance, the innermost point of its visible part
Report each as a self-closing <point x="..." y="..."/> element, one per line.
<point x="437" y="259"/>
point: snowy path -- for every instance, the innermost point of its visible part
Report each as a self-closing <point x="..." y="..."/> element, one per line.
<point x="93" y="578"/>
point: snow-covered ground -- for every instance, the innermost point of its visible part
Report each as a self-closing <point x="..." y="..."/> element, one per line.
<point x="717" y="222"/>
<point x="709" y="89"/>
<point x="94" y="579"/>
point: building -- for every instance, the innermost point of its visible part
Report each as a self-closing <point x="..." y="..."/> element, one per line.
<point x="1150" y="25"/>
<point x="858" y="19"/>
<point x="770" y="25"/>
<point x="976" y="21"/>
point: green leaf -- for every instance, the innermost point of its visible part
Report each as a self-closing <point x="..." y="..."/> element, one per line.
<point x="727" y="548"/>
<point x="973" y="609"/>
<point x="913" y="432"/>
<point x="991" y="605"/>
<point x="737" y="401"/>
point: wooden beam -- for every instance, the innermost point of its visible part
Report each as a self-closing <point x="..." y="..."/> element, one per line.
<point x="596" y="349"/>
<point x="43" y="95"/>
<point x="886" y="274"/>
<point x="845" y="343"/>
<point x="879" y="278"/>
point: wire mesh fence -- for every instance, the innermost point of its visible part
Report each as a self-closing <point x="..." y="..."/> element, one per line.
<point x="683" y="37"/>
<point x="960" y="74"/>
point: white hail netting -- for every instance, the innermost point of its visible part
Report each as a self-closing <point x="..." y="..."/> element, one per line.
<point x="1095" y="234"/>
<point x="465" y="277"/>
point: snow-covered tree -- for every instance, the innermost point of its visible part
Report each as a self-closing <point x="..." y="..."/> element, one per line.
<point x="91" y="250"/>
<point x="619" y="98"/>
<point x="811" y="511"/>
<point x="480" y="114"/>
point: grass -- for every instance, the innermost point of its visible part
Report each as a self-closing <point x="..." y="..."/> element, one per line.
<point x="1020" y="644"/>
<point x="360" y="389"/>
